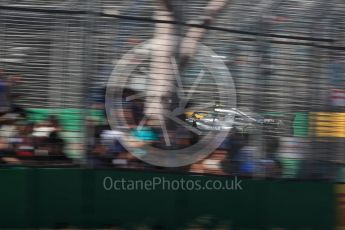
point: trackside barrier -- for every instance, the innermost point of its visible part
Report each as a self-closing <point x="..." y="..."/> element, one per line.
<point x="48" y="198"/>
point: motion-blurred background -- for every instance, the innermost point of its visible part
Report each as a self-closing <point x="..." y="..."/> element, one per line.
<point x="287" y="61"/>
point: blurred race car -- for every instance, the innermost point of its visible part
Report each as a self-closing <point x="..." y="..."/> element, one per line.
<point x="226" y="119"/>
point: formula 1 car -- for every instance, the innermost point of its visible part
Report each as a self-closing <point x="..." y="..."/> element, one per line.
<point x="226" y="119"/>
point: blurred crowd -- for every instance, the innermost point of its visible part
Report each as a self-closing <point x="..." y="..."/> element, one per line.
<point x="237" y="155"/>
<point x="20" y="139"/>
<point x="24" y="142"/>
<point x="29" y="143"/>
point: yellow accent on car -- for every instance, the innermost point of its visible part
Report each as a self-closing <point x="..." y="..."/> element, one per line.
<point x="197" y="115"/>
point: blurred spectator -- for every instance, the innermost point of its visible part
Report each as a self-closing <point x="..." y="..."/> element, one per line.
<point x="48" y="139"/>
<point x="271" y="166"/>
<point x="236" y="142"/>
<point x="6" y="84"/>
<point x="24" y="143"/>
<point x="8" y="131"/>
<point x="4" y="94"/>
<point x="54" y="141"/>
<point x="105" y="145"/>
<point x="213" y="163"/>
<point x="15" y="107"/>
<point x="55" y="144"/>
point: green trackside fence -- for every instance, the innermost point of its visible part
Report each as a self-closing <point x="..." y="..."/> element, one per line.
<point x="48" y="198"/>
